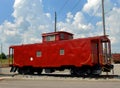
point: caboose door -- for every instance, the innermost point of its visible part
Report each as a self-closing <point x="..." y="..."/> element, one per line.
<point x="11" y="56"/>
<point x="95" y="51"/>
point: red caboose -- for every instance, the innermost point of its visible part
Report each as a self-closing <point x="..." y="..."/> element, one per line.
<point x="59" y="51"/>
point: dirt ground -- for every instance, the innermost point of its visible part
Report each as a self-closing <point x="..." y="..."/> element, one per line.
<point x="13" y="80"/>
<point x="58" y="84"/>
<point x="27" y="81"/>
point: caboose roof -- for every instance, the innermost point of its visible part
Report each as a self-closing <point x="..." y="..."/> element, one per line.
<point x="102" y="38"/>
<point x="55" y="33"/>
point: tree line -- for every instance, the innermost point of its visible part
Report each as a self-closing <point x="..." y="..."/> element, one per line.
<point x="3" y="56"/>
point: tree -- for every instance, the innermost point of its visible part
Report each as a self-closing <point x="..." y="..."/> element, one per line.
<point x="3" y="56"/>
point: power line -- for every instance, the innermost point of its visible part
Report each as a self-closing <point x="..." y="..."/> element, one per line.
<point x="61" y="9"/>
<point x="94" y="14"/>
<point x="76" y="4"/>
<point x="108" y="11"/>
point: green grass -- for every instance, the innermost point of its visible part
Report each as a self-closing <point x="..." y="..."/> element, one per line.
<point x="4" y="62"/>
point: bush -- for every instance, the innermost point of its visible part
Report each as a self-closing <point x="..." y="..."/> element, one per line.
<point x="3" y="56"/>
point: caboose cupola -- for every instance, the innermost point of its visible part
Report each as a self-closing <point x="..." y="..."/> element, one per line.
<point x="56" y="36"/>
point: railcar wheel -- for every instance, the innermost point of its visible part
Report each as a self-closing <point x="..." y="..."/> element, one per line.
<point x="39" y="71"/>
<point x="96" y="70"/>
<point x="20" y="71"/>
<point x="77" y="72"/>
<point x="81" y="71"/>
<point x="24" y="70"/>
<point x="88" y="72"/>
<point x="73" y="72"/>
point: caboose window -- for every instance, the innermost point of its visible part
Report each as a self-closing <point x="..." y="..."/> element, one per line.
<point x="70" y="37"/>
<point x="62" y="52"/>
<point x="38" y="54"/>
<point x="62" y="36"/>
<point x="50" y="38"/>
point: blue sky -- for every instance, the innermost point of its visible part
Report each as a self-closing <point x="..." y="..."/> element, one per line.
<point x="6" y="9"/>
<point x="23" y="21"/>
<point x="63" y="7"/>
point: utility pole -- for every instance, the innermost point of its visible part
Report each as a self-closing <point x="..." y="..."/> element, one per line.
<point x="104" y="32"/>
<point x="103" y="16"/>
<point x="55" y="21"/>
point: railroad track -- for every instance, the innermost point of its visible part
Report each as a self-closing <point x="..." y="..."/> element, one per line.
<point x="68" y="76"/>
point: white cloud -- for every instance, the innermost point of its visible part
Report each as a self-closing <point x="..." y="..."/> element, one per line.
<point x="78" y="18"/>
<point x="113" y="27"/>
<point x="69" y="17"/>
<point x="94" y="7"/>
<point x="76" y="24"/>
<point x="29" y="22"/>
<point x="91" y="6"/>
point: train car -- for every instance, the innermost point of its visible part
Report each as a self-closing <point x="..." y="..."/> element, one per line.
<point x="59" y="51"/>
<point x="116" y="58"/>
